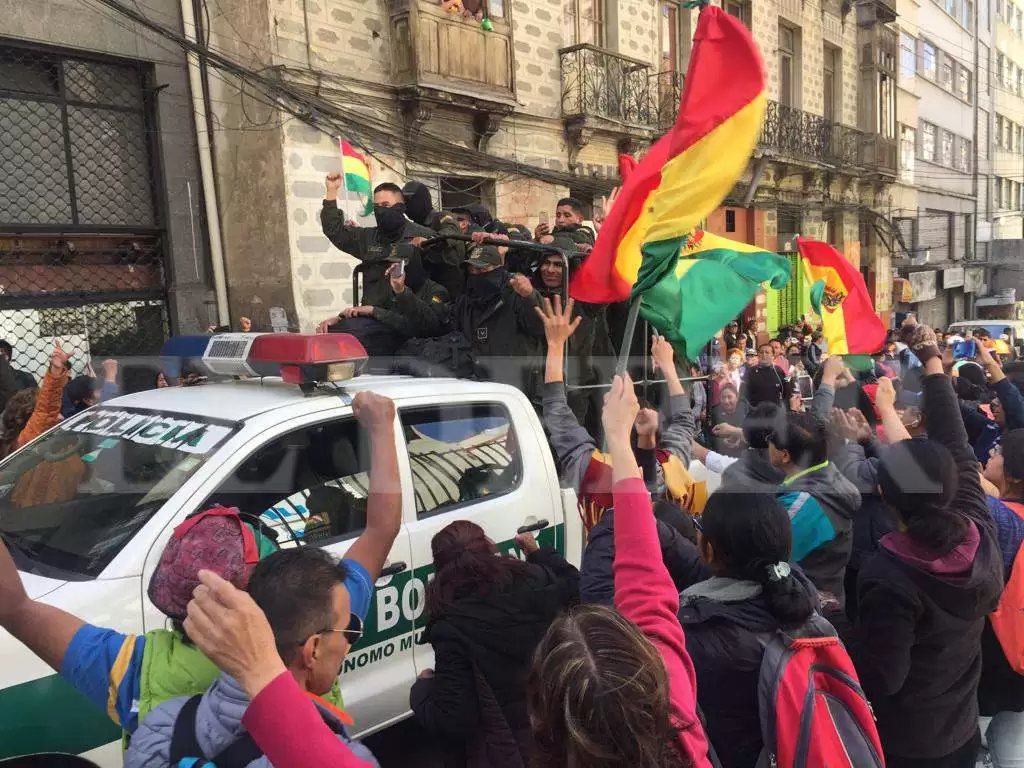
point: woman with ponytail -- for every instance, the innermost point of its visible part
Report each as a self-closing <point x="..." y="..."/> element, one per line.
<point x="924" y="597"/>
<point x="485" y="614"/>
<point x="746" y="540"/>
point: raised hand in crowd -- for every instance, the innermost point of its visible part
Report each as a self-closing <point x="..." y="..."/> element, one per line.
<point x="397" y="281"/>
<point x="606" y="206"/>
<point x="226" y="624"/>
<point x="335" y="181"/>
<point x="521" y="285"/>
<point x="663" y="355"/>
<point x="559" y="325"/>
<point x="618" y="416"/>
<point x="59" y="360"/>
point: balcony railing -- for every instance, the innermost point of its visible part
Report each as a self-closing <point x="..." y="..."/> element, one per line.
<point x="792" y="132"/>
<point x="599" y="83"/>
<point x="667" y="87"/>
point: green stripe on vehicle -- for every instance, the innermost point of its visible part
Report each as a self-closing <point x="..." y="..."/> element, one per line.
<point x="48" y="715"/>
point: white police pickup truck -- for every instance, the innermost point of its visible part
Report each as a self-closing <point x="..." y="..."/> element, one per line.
<point x="467" y="450"/>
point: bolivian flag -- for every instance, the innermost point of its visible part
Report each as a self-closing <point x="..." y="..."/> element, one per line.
<point x="839" y="295"/>
<point x="689" y="297"/>
<point x="357" y="175"/>
<point x="690" y="170"/>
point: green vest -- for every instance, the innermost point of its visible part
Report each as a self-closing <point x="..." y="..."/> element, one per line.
<point x="171" y="668"/>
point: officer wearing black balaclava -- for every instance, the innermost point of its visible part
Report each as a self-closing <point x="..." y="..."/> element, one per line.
<point x="370" y="245"/>
<point x="498" y="317"/>
<point x="444" y="260"/>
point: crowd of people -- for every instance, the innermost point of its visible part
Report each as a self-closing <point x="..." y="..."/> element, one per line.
<point x="878" y="502"/>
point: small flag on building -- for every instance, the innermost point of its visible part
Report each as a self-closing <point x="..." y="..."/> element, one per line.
<point x="839" y="295"/>
<point x="689" y="294"/>
<point x="357" y="175"/>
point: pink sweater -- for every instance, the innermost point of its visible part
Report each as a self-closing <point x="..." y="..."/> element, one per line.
<point x="645" y="594"/>
<point x="284" y="723"/>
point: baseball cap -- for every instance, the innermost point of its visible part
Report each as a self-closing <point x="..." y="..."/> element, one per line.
<point x="483" y="256"/>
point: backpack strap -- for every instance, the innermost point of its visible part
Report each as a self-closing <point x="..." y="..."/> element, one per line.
<point x="184" y="742"/>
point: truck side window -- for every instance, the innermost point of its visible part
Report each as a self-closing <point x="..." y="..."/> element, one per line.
<point x="310" y="485"/>
<point x="460" y="454"/>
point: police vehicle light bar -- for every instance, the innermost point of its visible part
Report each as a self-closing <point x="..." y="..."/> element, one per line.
<point x="298" y="358"/>
<point x="305" y="358"/>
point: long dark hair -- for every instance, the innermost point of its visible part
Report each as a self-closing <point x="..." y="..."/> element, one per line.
<point x="467" y="564"/>
<point x="918" y="479"/>
<point x="14" y="418"/>
<point x="750" y="533"/>
<point x="598" y="696"/>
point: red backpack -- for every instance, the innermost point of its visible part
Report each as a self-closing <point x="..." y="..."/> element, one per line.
<point x="813" y="711"/>
<point x="1008" y="617"/>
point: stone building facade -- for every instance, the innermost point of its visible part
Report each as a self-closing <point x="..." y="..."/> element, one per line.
<point x="536" y="108"/>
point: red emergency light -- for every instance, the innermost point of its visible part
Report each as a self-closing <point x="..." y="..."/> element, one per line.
<point x="307" y="358"/>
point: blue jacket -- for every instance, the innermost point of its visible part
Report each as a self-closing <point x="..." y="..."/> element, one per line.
<point x="218" y="725"/>
<point x="985" y="433"/>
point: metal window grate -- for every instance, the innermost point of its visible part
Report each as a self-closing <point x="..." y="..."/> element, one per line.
<point x="81" y="237"/>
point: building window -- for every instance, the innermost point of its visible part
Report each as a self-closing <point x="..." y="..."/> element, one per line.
<point x="983" y="134"/>
<point x="946" y="73"/>
<point x="999" y="193"/>
<point x="741" y="10"/>
<point x="963" y="83"/>
<point x="928" y="64"/>
<point x="963" y="160"/>
<point x="908" y="56"/>
<point x="584" y="21"/>
<point x="967" y="13"/>
<point x="947" y="149"/>
<point x="928" y="142"/>
<point x="833" y="65"/>
<point x="460" y="191"/>
<point x="730" y="220"/>
<point x="1000" y="63"/>
<point x="999" y="131"/>
<point x="787" y="66"/>
<point x="670" y="51"/>
<point x="950" y="6"/>
<point x="459" y="455"/>
<point x="907" y="139"/>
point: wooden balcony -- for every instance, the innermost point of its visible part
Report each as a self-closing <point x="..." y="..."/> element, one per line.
<point x="438" y="57"/>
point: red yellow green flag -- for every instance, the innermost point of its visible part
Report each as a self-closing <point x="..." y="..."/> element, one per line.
<point x="839" y="295"/>
<point x="689" y="297"/>
<point x="357" y="174"/>
<point x="689" y="171"/>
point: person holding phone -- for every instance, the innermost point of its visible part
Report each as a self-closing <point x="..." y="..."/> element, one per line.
<point x="1007" y="403"/>
<point x="415" y="306"/>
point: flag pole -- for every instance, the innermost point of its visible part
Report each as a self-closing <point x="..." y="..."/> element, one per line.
<point x="627" y="337"/>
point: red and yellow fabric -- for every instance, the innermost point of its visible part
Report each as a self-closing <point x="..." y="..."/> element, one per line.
<point x="838" y="293"/>
<point x="690" y="170"/>
<point x="356" y="173"/>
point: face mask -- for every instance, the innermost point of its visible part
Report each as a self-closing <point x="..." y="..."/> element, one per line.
<point x="487" y="286"/>
<point x="418" y="203"/>
<point x="390" y="221"/>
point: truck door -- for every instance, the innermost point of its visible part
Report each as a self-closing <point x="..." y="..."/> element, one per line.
<point x="479" y="461"/>
<point x="309" y="482"/>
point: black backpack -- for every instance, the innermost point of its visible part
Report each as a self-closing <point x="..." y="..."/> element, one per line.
<point x="445" y="356"/>
<point x="186" y="752"/>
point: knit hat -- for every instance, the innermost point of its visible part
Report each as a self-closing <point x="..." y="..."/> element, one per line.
<point x="214" y="540"/>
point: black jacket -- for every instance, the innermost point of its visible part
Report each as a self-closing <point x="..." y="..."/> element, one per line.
<point x="918" y="639"/>
<point x="368" y="245"/>
<point x="503" y="333"/>
<point x="498" y="635"/>
<point x="444" y="260"/>
<point x="597" y="578"/>
<point x="415" y="313"/>
<point x="722" y="638"/>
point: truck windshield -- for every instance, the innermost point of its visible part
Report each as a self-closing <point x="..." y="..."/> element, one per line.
<point x="71" y="501"/>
